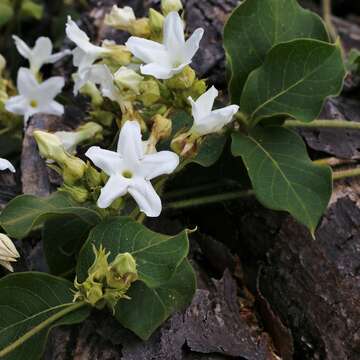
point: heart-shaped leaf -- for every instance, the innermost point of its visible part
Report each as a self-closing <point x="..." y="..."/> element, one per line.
<point x="294" y="80"/>
<point x="30" y="305"/>
<point x="256" y="26"/>
<point x="25" y="212"/>
<point x="282" y="175"/>
<point x="150" y="307"/>
<point x="157" y="256"/>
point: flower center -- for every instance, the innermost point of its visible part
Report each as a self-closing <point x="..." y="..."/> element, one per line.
<point x="33" y="103"/>
<point x="127" y="174"/>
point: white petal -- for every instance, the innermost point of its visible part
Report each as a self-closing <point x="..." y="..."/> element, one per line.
<point x="22" y="47"/>
<point x="52" y="108"/>
<point x="40" y="53"/>
<point x="161" y="163"/>
<point x="17" y="104"/>
<point x="203" y="105"/>
<point x="192" y="44"/>
<point x="69" y="139"/>
<point x="6" y="165"/>
<point x="57" y="56"/>
<point x="26" y="82"/>
<point x="7" y="247"/>
<point x="130" y="145"/>
<point x="6" y="265"/>
<point x="115" y="187"/>
<point x="108" y="161"/>
<point x="50" y="88"/>
<point x="147" y="51"/>
<point x="75" y="34"/>
<point x="174" y="38"/>
<point x="146" y="197"/>
<point x="216" y="120"/>
<point x="158" y="71"/>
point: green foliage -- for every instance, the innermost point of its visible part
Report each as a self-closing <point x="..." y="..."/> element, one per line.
<point x="258" y="25"/>
<point x="29" y="301"/>
<point x="25" y="212"/>
<point x="294" y="80"/>
<point x="6" y="12"/>
<point x="283" y="176"/>
<point x="32" y="9"/>
<point x="161" y="265"/>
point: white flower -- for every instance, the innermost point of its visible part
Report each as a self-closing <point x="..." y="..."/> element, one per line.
<point x="207" y="121"/>
<point x="170" y="58"/>
<point x="98" y="74"/>
<point x="35" y="98"/>
<point x="130" y="170"/>
<point x="85" y="54"/>
<point x="170" y="5"/>
<point x="8" y="252"/>
<point x="120" y="18"/>
<point x="6" y="165"/>
<point x="40" y="54"/>
<point x="128" y="78"/>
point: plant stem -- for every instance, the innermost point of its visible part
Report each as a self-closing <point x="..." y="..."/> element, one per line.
<point x="337" y="124"/>
<point x="40" y="327"/>
<point x="327" y="13"/>
<point x="212" y="199"/>
<point x="343" y="174"/>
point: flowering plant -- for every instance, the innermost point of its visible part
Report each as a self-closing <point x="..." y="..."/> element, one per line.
<point x="150" y="118"/>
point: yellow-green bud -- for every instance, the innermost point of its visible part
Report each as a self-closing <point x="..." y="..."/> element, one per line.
<point x="73" y="169"/>
<point x="105" y="118"/>
<point x="140" y="28"/>
<point x="100" y="266"/>
<point x="150" y="92"/>
<point x="122" y="272"/>
<point x="118" y="55"/>
<point x="90" y="89"/>
<point x="93" y="177"/>
<point x="197" y="89"/>
<point x="185" y="144"/>
<point x="167" y="6"/>
<point x="2" y="64"/>
<point x="161" y="128"/>
<point x="128" y="79"/>
<point x="182" y="81"/>
<point x="78" y="193"/>
<point x="156" y="21"/>
<point x="120" y="18"/>
<point x="50" y="146"/>
<point x="94" y="294"/>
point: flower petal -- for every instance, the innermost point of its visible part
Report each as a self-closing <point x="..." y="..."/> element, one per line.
<point x="22" y="47"/>
<point x="108" y="161"/>
<point x="130" y="145"/>
<point x="52" y="108"/>
<point x="17" y="105"/>
<point x="76" y="35"/>
<point x="26" y="82"/>
<point x="115" y="187"/>
<point x="192" y="44"/>
<point x="216" y="120"/>
<point x="6" y="265"/>
<point x="203" y="105"/>
<point x="146" y="197"/>
<point x="160" y="72"/>
<point x="49" y="89"/>
<point x="161" y="163"/>
<point x="40" y="53"/>
<point x="58" y="56"/>
<point x="6" y="165"/>
<point x="148" y="51"/>
<point x="174" y="38"/>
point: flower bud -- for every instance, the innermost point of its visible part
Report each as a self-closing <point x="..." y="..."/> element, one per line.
<point x="118" y="55"/>
<point x="120" y="18"/>
<point x="183" y="80"/>
<point x="156" y="21"/>
<point x="90" y="89"/>
<point x="78" y="193"/>
<point x="185" y="144"/>
<point x="167" y="6"/>
<point x="150" y="92"/>
<point x="99" y="268"/>
<point x="73" y="169"/>
<point x="128" y="79"/>
<point x="103" y="117"/>
<point x="161" y="128"/>
<point x="2" y="64"/>
<point x="50" y="146"/>
<point x="8" y="252"/>
<point x="122" y="271"/>
<point x="93" y="177"/>
<point x="140" y="28"/>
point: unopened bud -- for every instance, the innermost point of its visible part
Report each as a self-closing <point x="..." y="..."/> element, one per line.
<point x="8" y="252"/>
<point x="123" y="271"/>
<point x="99" y="268"/>
<point x="90" y="89"/>
<point x="183" y="80"/>
<point x="167" y="6"/>
<point x="118" y="55"/>
<point x="156" y="21"/>
<point x="73" y="169"/>
<point x="78" y="193"/>
<point x="50" y="146"/>
<point x="93" y="177"/>
<point x="120" y="18"/>
<point x="185" y="144"/>
<point x="2" y="64"/>
<point x="150" y="92"/>
<point x="128" y="79"/>
<point x="162" y="127"/>
<point x="105" y="118"/>
<point x="140" y="28"/>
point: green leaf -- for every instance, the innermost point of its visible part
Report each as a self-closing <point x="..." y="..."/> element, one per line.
<point x="32" y="9"/>
<point x="30" y="300"/>
<point x="157" y="256"/>
<point x="6" y="12"/>
<point x="282" y="175"/>
<point x="256" y="26"/>
<point x="295" y="80"/>
<point x="149" y="307"/>
<point x="25" y="212"/>
<point x="63" y="237"/>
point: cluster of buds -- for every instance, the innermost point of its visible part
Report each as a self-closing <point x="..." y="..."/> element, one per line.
<point x="107" y="283"/>
<point x="8" y="252"/>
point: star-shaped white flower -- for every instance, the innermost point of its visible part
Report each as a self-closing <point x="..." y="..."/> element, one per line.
<point x="40" y="54"/>
<point x="35" y="97"/>
<point x="85" y="53"/>
<point x="6" y="165"/>
<point x="130" y="170"/>
<point x="8" y="252"/>
<point x="207" y="121"/>
<point x="170" y="58"/>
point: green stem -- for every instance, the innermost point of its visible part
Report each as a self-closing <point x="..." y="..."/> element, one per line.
<point x="206" y="200"/>
<point x="40" y="327"/>
<point x="343" y="174"/>
<point x="327" y="13"/>
<point x="337" y="124"/>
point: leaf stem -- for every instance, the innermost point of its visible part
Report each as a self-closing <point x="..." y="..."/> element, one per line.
<point x="327" y="13"/>
<point x="337" y="124"/>
<point x="43" y="325"/>
<point x="343" y="174"/>
<point x="206" y="200"/>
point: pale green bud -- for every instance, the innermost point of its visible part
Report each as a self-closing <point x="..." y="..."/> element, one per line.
<point x="90" y="89"/>
<point x="183" y="80"/>
<point x="140" y="28"/>
<point x="93" y="177"/>
<point x="128" y="79"/>
<point x="122" y="272"/>
<point x="197" y="89"/>
<point x="120" y="18"/>
<point x="50" y="146"/>
<point x="73" y="169"/>
<point x="167" y="6"/>
<point x="150" y="92"/>
<point x="118" y="55"/>
<point x="100" y="266"/>
<point x="2" y="64"/>
<point x="161" y="128"/>
<point x="78" y="193"/>
<point x="105" y="118"/>
<point x="156" y="21"/>
<point x="185" y="144"/>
